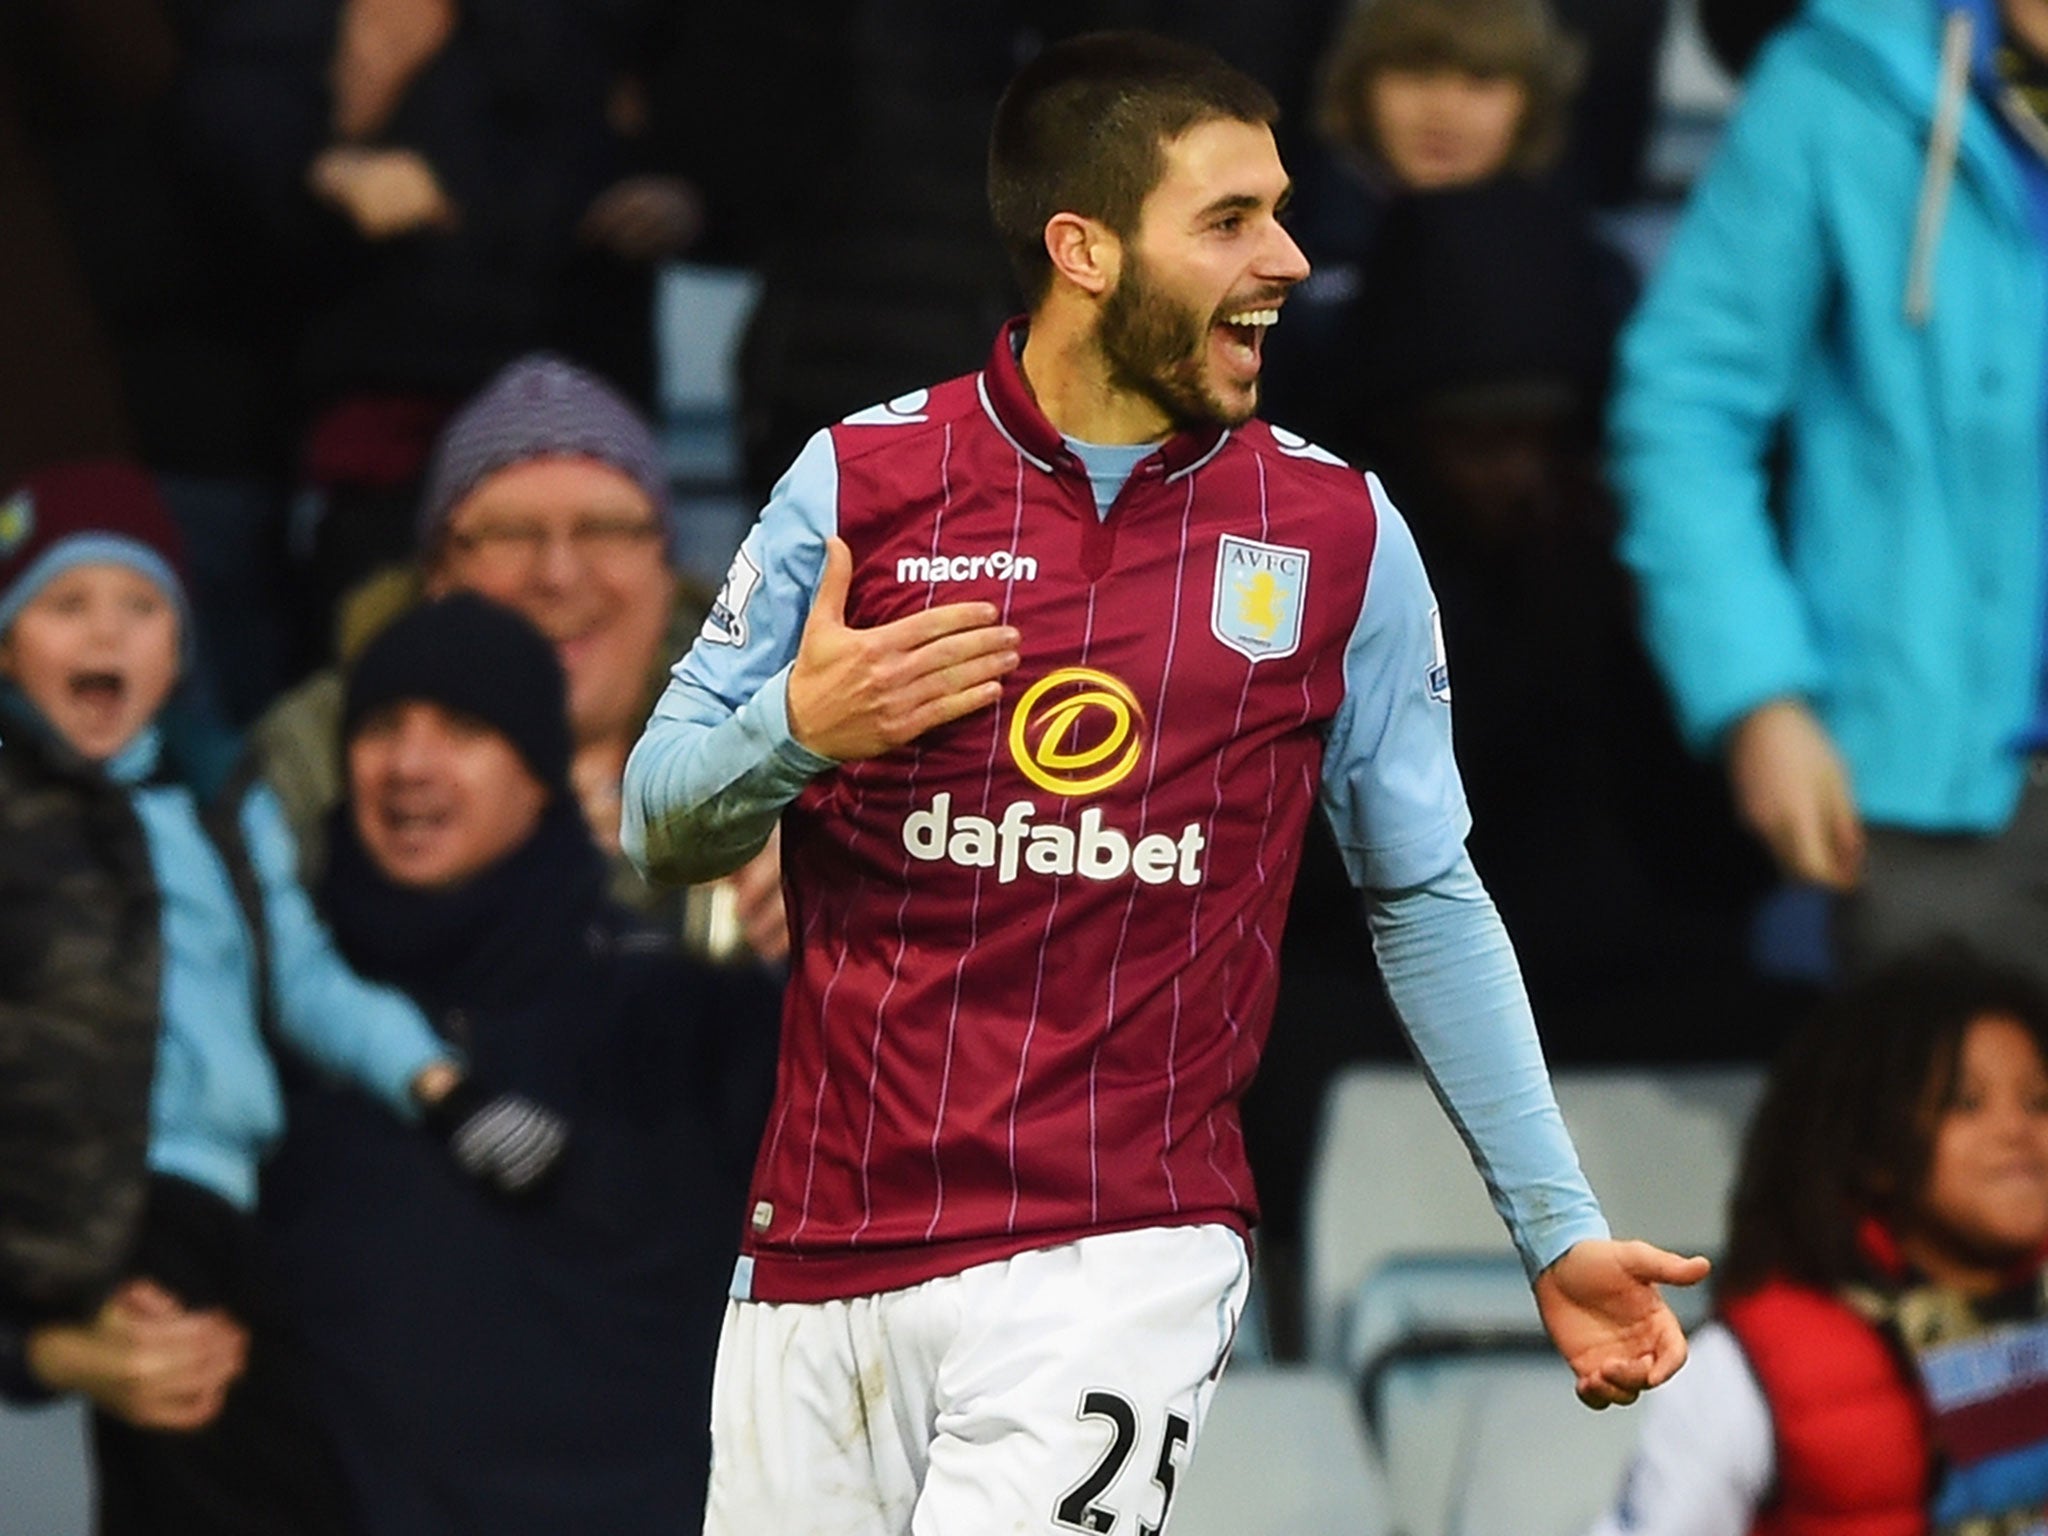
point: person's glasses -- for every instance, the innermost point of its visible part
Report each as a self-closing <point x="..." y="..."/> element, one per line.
<point x="519" y="543"/>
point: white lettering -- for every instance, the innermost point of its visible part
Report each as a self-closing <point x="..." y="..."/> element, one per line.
<point x="1014" y="841"/>
<point x="1015" y="819"/>
<point x="1051" y="851"/>
<point x="924" y="832"/>
<point x="1105" y="853"/>
<point x="998" y="565"/>
<point x="1154" y="858"/>
<point x="973" y="843"/>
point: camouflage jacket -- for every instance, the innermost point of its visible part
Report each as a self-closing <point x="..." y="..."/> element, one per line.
<point x="81" y="971"/>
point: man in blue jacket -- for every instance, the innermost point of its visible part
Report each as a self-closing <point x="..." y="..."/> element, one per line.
<point x="1857" y="624"/>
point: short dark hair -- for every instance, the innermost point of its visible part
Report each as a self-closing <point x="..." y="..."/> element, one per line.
<point x="1846" y="1126"/>
<point x="1083" y="128"/>
<point x="1519" y="39"/>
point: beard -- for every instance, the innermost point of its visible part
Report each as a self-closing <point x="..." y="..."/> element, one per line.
<point x="1158" y="348"/>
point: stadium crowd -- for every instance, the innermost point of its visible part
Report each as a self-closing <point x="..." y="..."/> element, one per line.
<point x="375" y="1134"/>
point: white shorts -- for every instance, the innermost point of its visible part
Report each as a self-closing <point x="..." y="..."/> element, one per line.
<point x="1061" y="1390"/>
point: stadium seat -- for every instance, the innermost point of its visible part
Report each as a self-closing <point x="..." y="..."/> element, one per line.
<point x="1494" y="1443"/>
<point x="1282" y="1454"/>
<point x="45" y="1476"/>
<point x="1660" y="1145"/>
<point x="1389" y="1177"/>
<point x="1391" y="1180"/>
<point x="1416" y="1296"/>
<point x="1469" y="1411"/>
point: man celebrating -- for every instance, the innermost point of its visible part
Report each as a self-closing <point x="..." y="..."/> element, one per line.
<point x="1040" y="670"/>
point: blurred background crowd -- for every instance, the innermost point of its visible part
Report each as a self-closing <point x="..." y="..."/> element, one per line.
<point x="395" y="300"/>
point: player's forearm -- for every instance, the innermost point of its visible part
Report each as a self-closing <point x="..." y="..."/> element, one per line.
<point x="704" y="788"/>
<point x="1454" y="981"/>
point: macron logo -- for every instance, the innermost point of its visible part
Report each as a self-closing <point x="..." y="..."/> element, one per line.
<point x="1000" y="565"/>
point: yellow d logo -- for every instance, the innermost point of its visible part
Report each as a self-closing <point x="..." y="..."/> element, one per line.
<point x="1076" y="732"/>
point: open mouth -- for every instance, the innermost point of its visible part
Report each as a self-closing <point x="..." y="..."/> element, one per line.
<point x="412" y="825"/>
<point x="1244" y="333"/>
<point x="98" y="693"/>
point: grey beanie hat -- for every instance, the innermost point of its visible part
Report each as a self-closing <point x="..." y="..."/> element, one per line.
<point x="539" y="406"/>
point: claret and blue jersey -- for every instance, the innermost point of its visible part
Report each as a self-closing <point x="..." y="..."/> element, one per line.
<point x="1036" y="948"/>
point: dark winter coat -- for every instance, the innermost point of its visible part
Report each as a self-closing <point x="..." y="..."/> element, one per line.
<point x="545" y="1367"/>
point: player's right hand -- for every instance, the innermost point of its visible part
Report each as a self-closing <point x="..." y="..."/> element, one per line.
<point x="857" y="693"/>
<point x="1792" y="787"/>
<point x="145" y="1358"/>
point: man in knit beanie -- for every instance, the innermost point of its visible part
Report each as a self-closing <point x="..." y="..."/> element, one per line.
<point x="465" y="662"/>
<point x="546" y="493"/>
<point x="542" y="406"/>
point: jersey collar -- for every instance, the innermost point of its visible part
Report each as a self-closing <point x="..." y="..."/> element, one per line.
<point x="1009" y="403"/>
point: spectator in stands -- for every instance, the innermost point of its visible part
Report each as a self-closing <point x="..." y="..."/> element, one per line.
<point x="1827" y="437"/>
<point x="157" y="334"/>
<point x="1883" y="1303"/>
<point x="540" y="1366"/>
<point x="149" y="945"/>
<point x="545" y="493"/>
<point x="1417" y="96"/>
<point x="452" y="183"/>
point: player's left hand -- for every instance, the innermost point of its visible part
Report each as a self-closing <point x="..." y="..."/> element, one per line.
<point x="1602" y="1309"/>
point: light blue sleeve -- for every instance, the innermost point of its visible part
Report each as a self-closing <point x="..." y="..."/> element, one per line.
<point x="716" y="763"/>
<point x="1390" y="784"/>
<point x="1707" y="368"/>
<point x="1396" y="803"/>
<point x="1454" y="981"/>
<point x="372" y="1035"/>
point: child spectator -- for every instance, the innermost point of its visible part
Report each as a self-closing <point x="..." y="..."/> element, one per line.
<point x="1417" y="96"/>
<point x="549" y="1370"/>
<point x="1884" y="1307"/>
<point x="149" y="947"/>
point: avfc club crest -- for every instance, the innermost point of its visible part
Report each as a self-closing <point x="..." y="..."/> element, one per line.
<point x="1260" y="592"/>
<point x="17" y="522"/>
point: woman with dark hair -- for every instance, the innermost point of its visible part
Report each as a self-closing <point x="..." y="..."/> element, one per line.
<point x="1877" y="1360"/>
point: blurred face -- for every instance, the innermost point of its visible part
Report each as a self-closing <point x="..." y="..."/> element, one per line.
<point x="438" y="796"/>
<point x="1204" y="276"/>
<point x="576" y="547"/>
<point x="1985" y="1204"/>
<point x="96" y="652"/>
<point x="1441" y="127"/>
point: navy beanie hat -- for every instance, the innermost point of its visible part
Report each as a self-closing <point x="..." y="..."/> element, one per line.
<point x="91" y="512"/>
<point x="470" y="655"/>
<point x="541" y="406"/>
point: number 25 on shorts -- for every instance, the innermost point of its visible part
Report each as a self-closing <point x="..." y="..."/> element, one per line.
<point x="1078" y="1509"/>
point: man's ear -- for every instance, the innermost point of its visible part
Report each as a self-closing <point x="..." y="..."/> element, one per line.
<point x="1084" y="252"/>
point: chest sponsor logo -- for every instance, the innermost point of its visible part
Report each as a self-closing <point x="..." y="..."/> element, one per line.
<point x="996" y="565"/>
<point x="1075" y="732"/>
<point x="726" y="623"/>
<point x="1260" y="592"/>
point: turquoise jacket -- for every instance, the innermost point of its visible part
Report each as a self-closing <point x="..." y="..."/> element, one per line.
<point x="1904" y="597"/>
